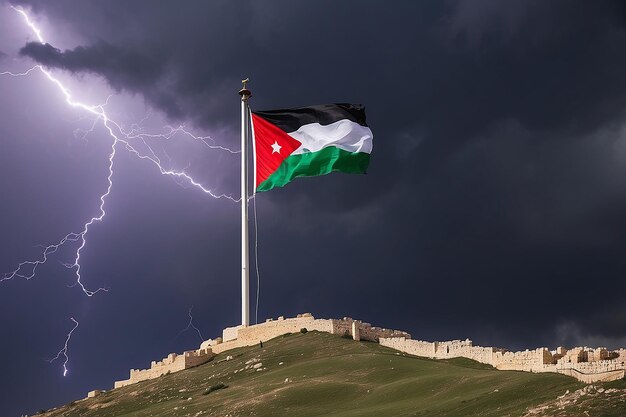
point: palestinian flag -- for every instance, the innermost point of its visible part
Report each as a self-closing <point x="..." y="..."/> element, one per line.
<point x="309" y="141"/>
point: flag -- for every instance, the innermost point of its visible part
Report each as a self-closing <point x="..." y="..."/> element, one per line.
<point x="309" y="141"/>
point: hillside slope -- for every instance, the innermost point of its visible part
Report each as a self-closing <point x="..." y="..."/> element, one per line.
<point x="316" y="374"/>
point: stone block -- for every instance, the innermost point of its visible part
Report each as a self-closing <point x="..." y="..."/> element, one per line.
<point x="94" y="393"/>
<point x="356" y="335"/>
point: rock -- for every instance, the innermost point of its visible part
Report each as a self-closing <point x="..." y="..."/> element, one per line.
<point x="257" y="365"/>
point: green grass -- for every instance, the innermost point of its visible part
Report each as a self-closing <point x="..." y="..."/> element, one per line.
<point x="331" y="376"/>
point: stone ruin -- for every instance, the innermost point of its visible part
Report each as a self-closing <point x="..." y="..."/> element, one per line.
<point x="585" y="364"/>
<point x="240" y="336"/>
<point x="172" y="363"/>
<point x="588" y="365"/>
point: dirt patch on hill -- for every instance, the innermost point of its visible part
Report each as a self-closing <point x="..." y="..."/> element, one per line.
<point x="591" y="400"/>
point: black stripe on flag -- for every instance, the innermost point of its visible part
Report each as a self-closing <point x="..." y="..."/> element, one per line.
<point x="290" y="120"/>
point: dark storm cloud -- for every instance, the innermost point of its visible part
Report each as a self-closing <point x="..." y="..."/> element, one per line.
<point x="123" y="69"/>
<point x="495" y="199"/>
<point x="473" y="63"/>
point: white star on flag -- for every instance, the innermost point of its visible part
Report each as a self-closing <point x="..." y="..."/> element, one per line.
<point x="276" y="147"/>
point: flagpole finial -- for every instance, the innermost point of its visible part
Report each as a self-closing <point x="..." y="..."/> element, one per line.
<point x="244" y="92"/>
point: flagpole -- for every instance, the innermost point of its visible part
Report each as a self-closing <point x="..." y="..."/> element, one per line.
<point x="245" y="272"/>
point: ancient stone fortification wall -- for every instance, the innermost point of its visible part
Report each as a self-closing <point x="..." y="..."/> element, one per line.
<point x="234" y="337"/>
<point x="239" y="336"/>
<point x="274" y="328"/>
<point x="412" y="347"/>
<point x="172" y="363"/>
<point x="527" y="360"/>
<point x="373" y="334"/>
<point x="574" y="362"/>
<point x="587" y="365"/>
<point x="590" y="372"/>
<point x="441" y="350"/>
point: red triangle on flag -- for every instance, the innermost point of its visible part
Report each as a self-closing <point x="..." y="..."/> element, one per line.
<point x="272" y="145"/>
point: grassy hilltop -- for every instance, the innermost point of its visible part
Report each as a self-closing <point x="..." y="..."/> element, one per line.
<point x="319" y="374"/>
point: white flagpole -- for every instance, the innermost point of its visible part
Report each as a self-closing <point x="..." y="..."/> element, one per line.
<point x="245" y="272"/>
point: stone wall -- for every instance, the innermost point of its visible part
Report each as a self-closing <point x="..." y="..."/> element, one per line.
<point x="274" y="328"/>
<point x="412" y="347"/>
<point x="579" y="362"/>
<point x="482" y="354"/>
<point x="574" y="355"/>
<point x="241" y="336"/>
<point x="598" y="371"/>
<point x="441" y="350"/>
<point x="172" y="363"/>
<point x="527" y="360"/>
<point x="234" y="337"/>
<point x="373" y="334"/>
<point x="598" y="354"/>
<point x="230" y="333"/>
<point x="587" y="365"/>
<point x="94" y="393"/>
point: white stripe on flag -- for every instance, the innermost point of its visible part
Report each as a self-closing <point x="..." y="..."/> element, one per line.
<point x="344" y="134"/>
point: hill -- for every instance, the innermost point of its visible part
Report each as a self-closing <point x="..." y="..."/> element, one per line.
<point x="316" y="374"/>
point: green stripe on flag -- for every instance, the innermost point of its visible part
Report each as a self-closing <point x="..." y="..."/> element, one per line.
<point x="310" y="164"/>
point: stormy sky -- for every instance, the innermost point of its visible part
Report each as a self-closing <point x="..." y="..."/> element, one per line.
<point x="494" y="207"/>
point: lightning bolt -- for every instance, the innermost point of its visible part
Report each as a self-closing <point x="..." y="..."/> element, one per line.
<point x="121" y="138"/>
<point x="63" y="351"/>
<point x="190" y="325"/>
<point x="29" y="23"/>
